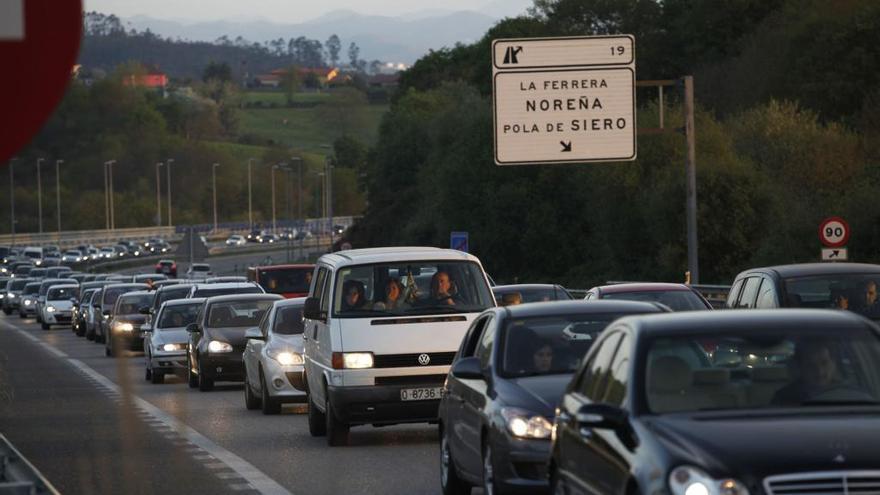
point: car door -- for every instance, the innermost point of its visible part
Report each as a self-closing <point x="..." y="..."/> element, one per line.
<point x="253" y="351"/>
<point x="455" y="394"/>
<point x="574" y="446"/>
<point x="473" y="405"/>
<point x="767" y="296"/>
<point x="312" y="337"/>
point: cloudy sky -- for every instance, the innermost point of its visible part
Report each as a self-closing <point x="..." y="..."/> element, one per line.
<point x="290" y="11"/>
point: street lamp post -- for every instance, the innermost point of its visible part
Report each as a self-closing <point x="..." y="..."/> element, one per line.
<point x="214" y="182"/>
<point x="12" y="199"/>
<point x="109" y="192"/>
<point x="58" y="192"/>
<point x="250" y="197"/>
<point x="168" y="163"/>
<point x="158" y="195"/>
<point x="299" y="209"/>
<point x="39" y="196"/>
<point x="106" y="200"/>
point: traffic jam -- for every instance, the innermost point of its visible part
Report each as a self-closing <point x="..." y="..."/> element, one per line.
<point x="627" y="388"/>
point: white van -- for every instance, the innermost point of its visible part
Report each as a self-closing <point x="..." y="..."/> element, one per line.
<point x="381" y="329"/>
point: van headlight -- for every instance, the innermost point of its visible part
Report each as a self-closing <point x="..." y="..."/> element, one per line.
<point x="217" y="346"/>
<point x="525" y="424"/>
<point x="352" y="360"/>
<point x="689" y="480"/>
<point x="285" y="358"/>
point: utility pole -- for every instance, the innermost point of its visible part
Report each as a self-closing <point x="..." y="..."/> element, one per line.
<point x="12" y="199"/>
<point x="273" y="197"/>
<point x="106" y="199"/>
<point x="168" y="163"/>
<point x="250" y="197"/>
<point x="58" y="192"/>
<point x="214" y="182"/>
<point x="39" y="196"/>
<point x="158" y="195"/>
<point x="112" y="204"/>
<point x="108" y="193"/>
<point x="690" y="166"/>
<point x="330" y="200"/>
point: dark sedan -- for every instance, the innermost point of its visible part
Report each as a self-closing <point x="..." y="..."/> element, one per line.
<point x="509" y="373"/>
<point x="724" y="403"/>
<point x="124" y="330"/>
<point x="678" y="297"/>
<point x="217" y="340"/>
<point x="109" y="294"/>
<point x="507" y="295"/>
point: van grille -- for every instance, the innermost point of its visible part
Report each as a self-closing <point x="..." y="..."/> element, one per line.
<point x="827" y="483"/>
<point x="411" y="380"/>
<point x="412" y="360"/>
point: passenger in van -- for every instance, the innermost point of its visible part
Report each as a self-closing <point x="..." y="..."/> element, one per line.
<point x="393" y="296"/>
<point x="442" y="289"/>
<point x="352" y="295"/>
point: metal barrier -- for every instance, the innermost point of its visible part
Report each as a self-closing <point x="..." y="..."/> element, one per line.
<point x="18" y="476"/>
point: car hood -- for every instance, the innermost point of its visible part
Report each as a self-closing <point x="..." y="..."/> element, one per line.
<point x="232" y="336"/>
<point x="135" y="319"/>
<point x="170" y="336"/>
<point x="290" y="342"/>
<point x="538" y="394"/>
<point x="752" y="446"/>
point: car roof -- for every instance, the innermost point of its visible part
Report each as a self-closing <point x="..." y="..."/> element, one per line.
<point x="243" y="297"/>
<point x="180" y="287"/>
<point x="516" y="287"/>
<point x="138" y="293"/>
<point x="183" y="302"/>
<point x="282" y="267"/>
<point x="551" y="308"/>
<point x="751" y="321"/>
<point x="125" y="286"/>
<point x="808" y="269"/>
<point x="293" y="301"/>
<point x="224" y="285"/>
<point x="394" y="254"/>
<point x="642" y="287"/>
<point x="64" y="286"/>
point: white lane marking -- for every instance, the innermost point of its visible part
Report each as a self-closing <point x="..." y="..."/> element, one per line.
<point x="240" y="487"/>
<point x="228" y="476"/>
<point x="256" y="479"/>
<point x="53" y="350"/>
<point x="27" y="335"/>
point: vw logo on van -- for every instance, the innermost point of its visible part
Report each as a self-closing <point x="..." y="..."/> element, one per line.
<point x="424" y="359"/>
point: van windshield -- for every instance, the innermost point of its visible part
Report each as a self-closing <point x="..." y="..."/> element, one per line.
<point x="410" y="288"/>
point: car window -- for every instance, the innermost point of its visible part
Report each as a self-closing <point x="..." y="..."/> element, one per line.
<point x="767" y="296"/>
<point x="288" y="320"/>
<point x="252" y="289"/>
<point x="129" y="305"/>
<point x="179" y="315"/>
<point x="237" y="314"/>
<point x="615" y="389"/>
<point x="61" y="294"/>
<point x="677" y="300"/>
<point x="484" y="350"/>
<point x="749" y="293"/>
<point x="733" y="295"/>
<point x="592" y="383"/>
<point x="473" y="336"/>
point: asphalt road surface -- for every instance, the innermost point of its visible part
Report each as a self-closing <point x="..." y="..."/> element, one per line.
<point x="92" y="424"/>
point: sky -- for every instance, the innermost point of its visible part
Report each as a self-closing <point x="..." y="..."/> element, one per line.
<point x="285" y="11"/>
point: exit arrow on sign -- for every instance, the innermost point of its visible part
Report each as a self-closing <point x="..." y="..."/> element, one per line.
<point x="566" y="147"/>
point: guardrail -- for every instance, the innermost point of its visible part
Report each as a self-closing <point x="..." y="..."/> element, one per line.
<point x="18" y="476"/>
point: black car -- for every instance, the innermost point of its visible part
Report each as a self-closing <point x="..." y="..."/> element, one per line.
<point x="169" y="292"/>
<point x="217" y="340"/>
<point x="507" y="377"/>
<point x="109" y="295"/>
<point x="729" y="402"/>
<point x="526" y="293"/>
<point x="124" y="329"/>
<point x="852" y="286"/>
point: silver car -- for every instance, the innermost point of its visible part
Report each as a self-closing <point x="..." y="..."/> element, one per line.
<point x="273" y="358"/>
<point x="28" y="305"/>
<point x="166" y="338"/>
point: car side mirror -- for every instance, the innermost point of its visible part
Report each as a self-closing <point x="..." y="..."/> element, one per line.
<point x="312" y="309"/>
<point x="144" y="310"/>
<point x="147" y="328"/>
<point x="254" y="333"/>
<point x="608" y="417"/>
<point x="468" y="368"/>
<point x="193" y="328"/>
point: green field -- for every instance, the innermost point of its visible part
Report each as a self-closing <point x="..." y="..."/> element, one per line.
<point x="310" y="128"/>
<point x="279" y="98"/>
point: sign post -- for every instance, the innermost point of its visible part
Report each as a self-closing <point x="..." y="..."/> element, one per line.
<point x="834" y="234"/>
<point x="564" y="100"/>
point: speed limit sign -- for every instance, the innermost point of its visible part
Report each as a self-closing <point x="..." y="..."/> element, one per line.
<point x="834" y="232"/>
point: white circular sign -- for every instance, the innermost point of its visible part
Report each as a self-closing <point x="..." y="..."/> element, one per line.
<point x="834" y="232"/>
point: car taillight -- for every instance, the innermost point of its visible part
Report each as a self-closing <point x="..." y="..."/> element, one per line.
<point x="337" y="361"/>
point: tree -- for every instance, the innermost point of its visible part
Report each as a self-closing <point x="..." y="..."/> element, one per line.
<point x="290" y="82"/>
<point x="217" y="71"/>
<point x="353" y="54"/>
<point x="333" y="46"/>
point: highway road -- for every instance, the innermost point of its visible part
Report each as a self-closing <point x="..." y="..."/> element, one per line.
<point x="92" y="424"/>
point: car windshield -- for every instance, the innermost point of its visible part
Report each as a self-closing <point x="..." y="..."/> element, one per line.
<point x="179" y="315"/>
<point x="287" y="280"/>
<point x="15" y="285"/>
<point x="767" y="369"/>
<point x="61" y="293"/>
<point x="549" y="345"/>
<point x="289" y="320"/>
<point x="37" y="272"/>
<point x="201" y="268"/>
<point x="237" y="314"/>
<point x="420" y="287"/>
<point x="112" y="294"/>
<point x="677" y="300"/>
<point x="854" y="292"/>
<point x="251" y="289"/>
<point x="31" y="289"/>
<point x="528" y="295"/>
<point x="132" y="304"/>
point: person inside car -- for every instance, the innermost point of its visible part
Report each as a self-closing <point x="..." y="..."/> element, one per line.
<point x="818" y="374"/>
<point x="393" y="296"/>
<point x="542" y="359"/>
<point x="442" y="289"/>
<point x="352" y="295"/>
<point x="511" y="299"/>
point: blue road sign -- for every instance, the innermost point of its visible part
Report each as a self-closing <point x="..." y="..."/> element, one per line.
<point x="459" y="241"/>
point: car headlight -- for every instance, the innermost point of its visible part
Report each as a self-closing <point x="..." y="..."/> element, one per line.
<point x="123" y="327"/>
<point x="689" y="480"/>
<point x="357" y="360"/>
<point x="28" y="302"/>
<point x="217" y="346"/>
<point x="173" y="347"/>
<point x="38" y="262"/>
<point x="50" y="309"/>
<point x="285" y="358"/>
<point x="526" y="424"/>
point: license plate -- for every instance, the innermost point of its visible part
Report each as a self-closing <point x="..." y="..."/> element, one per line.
<point x="424" y="393"/>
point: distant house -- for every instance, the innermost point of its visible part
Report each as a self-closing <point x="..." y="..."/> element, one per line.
<point x="384" y="81"/>
<point x="153" y="79"/>
<point x="273" y="79"/>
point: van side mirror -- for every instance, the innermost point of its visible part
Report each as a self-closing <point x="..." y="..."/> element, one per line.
<point x="312" y="309"/>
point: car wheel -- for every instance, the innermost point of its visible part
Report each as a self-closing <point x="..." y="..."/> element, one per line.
<point x="270" y="405"/>
<point x="7" y="311"/>
<point x="337" y="431"/>
<point x="205" y="384"/>
<point x="157" y="377"/>
<point x="449" y="480"/>
<point x="317" y="421"/>
<point x="45" y="326"/>
<point x="90" y="335"/>
<point x="489" y="487"/>
<point x="192" y="378"/>
<point x="251" y="401"/>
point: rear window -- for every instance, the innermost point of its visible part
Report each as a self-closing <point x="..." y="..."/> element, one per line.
<point x="201" y="268"/>
<point x="31" y="289"/>
<point x="237" y="314"/>
<point x="532" y="295"/>
<point x="677" y="300"/>
<point x="112" y="294"/>
<point x="223" y="292"/>
<point x="171" y="294"/>
<point x="129" y="305"/>
<point x="17" y="284"/>
<point x="179" y="315"/>
<point x="286" y="281"/>
<point x="60" y="294"/>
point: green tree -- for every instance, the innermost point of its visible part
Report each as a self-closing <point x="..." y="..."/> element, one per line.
<point x="333" y="46"/>
<point x="217" y="71"/>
